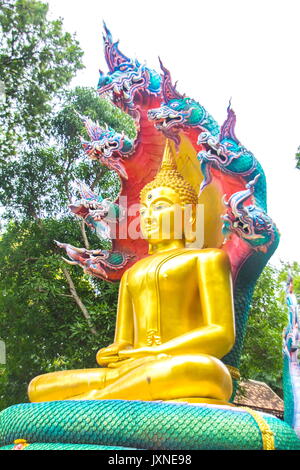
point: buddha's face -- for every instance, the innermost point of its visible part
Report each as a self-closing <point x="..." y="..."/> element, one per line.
<point x="162" y="215"/>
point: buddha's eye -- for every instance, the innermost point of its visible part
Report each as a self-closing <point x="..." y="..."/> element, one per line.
<point x="159" y="207"/>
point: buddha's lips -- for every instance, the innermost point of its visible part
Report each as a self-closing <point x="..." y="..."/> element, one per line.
<point x="150" y="228"/>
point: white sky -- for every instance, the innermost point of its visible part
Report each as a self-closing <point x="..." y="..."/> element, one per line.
<point x="245" y="49"/>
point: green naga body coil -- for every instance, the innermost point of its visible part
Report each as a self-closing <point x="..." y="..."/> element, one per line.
<point x="120" y="424"/>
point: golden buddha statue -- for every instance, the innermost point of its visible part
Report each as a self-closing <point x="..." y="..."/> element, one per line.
<point x="175" y="318"/>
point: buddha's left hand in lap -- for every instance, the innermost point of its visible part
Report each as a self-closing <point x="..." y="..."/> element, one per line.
<point x="142" y="352"/>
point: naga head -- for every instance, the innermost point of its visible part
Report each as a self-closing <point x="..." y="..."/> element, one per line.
<point x="250" y="223"/>
<point x="127" y="81"/>
<point x="107" y="146"/>
<point x="99" y="263"/>
<point x="223" y="151"/>
<point x="99" y="214"/>
<point x="178" y="111"/>
<point x="102" y="216"/>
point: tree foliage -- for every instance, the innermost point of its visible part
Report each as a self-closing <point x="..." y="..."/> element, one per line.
<point x="298" y="158"/>
<point x="262" y="355"/>
<point x="37" y="60"/>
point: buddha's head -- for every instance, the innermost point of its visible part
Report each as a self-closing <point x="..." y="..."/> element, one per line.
<point x="168" y="205"/>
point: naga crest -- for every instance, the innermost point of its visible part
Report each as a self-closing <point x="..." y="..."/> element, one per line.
<point x="250" y="223"/>
<point x="127" y="80"/>
<point x="113" y="55"/>
<point x="179" y="111"/>
<point x="107" y="146"/>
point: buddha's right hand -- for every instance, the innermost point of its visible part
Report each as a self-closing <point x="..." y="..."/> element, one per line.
<point x="110" y="354"/>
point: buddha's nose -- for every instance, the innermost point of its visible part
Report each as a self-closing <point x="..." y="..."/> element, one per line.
<point x="147" y="220"/>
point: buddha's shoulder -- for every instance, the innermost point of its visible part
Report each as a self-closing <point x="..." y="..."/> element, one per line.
<point x="208" y="255"/>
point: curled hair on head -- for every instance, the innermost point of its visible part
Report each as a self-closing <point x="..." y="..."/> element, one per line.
<point x="168" y="176"/>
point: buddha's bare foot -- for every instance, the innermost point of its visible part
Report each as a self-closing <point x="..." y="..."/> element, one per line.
<point x="64" y="385"/>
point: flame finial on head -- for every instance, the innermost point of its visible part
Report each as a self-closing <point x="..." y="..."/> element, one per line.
<point x="168" y="161"/>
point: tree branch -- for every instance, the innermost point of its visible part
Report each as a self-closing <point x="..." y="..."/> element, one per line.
<point x="84" y="235"/>
<point x="98" y="177"/>
<point x="78" y="301"/>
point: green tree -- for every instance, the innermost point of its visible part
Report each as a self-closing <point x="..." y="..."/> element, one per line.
<point x="37" y="60"/>
<point x="262" y="355"/>
<point x="298" y="158"/>
<point x="293" y="270"/>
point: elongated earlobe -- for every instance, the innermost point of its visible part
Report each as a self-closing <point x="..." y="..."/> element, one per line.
<point x="190" y="223"/>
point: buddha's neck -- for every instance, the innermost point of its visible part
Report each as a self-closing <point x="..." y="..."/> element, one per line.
<point x="166" y="245"/>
